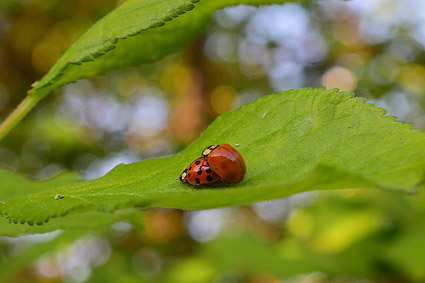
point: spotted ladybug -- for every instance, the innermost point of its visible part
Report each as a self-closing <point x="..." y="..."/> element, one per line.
<point x="226" y="162"/>
<point x="199" y="173"/>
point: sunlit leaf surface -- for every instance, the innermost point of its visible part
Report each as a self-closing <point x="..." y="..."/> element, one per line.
<point x="294" y="141"/>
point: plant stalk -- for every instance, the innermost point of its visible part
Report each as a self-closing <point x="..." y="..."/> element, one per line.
<point x="19" y="113"/>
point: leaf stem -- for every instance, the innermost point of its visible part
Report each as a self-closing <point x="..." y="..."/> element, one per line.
<point x="19" y="113"/>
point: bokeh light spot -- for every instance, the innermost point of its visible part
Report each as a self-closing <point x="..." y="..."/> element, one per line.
<point x="344" y="230"/>
<point x="340" y="77"/>
<point x="412" y="78"/>
<point x="300" y="223"/>
<point x="205" y="225"/>
<point x="222" y="99"/>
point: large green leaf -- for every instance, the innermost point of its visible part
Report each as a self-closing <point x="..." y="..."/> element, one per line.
<point x="294" y="141"/>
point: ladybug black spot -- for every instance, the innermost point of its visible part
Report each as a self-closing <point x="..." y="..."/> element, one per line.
<point x="197" y="180"/>
<point x="200" y="171"/>
<point x="209" y="178"/>
<point x="197" y="162"/>
<point x="188" y="175"/>
<point x="208" y="171"/>
<point x="190" y="168"/>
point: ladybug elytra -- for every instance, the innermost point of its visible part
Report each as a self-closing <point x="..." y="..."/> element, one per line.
<point x="226" y="162"/>
<point x="199" y="173"/>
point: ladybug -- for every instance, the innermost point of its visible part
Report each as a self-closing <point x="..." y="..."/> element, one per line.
<point x="226" y="162"/>
<point x="199" y="173"/>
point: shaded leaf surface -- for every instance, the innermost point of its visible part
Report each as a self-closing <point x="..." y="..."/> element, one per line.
<point x="79" y="221"/>
<point x="15" y="186"/>
<point x="294" y="141"/>
<point x="135" y="32"/>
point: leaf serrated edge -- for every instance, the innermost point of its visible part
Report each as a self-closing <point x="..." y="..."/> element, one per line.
<point x="381" y="112"/>
<point x="112" y="45"/>
<point x="81" y="207"/>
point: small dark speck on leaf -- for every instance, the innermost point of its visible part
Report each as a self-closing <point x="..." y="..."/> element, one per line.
<point x="58" y="196"/>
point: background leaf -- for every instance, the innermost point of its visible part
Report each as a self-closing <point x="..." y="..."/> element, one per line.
<point x="292" y="142"/>
<point x="136" y="32"/>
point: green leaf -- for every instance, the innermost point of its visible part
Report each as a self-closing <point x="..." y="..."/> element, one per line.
<point x="15" y="186"/>
<point x="75" y="221"/>
<point x="294" y="141"/>
<point x="135" y="32"/>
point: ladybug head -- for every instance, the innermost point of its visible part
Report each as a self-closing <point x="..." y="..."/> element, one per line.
<point x="208" y="149"/>
<point x="183" y="176"/>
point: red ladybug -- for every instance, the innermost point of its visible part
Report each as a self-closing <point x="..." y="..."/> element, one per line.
<point x="226" y="162"/>
<point x="199" y="173"/>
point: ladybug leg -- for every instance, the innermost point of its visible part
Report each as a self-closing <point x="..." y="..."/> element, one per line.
<point x="194" y="188"/>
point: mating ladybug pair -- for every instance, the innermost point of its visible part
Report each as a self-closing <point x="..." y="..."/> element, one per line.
<point x="218" y="164"/>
